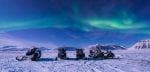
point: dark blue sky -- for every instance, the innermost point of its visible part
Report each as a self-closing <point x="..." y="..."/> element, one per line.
<point x="76" y="22"/>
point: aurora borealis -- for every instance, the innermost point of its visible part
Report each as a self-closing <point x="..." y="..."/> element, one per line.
<point x="127" y="18"/>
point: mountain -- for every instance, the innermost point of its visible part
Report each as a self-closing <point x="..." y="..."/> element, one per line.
<point x="44" y="48"/>
<point x="12" y="48"/>
<point x="15" y="48"/>
<point x="112" y="47"/>
<point x="143" y="44"/>
<point x="106" y="47"/>
<point x="68" y="48"/>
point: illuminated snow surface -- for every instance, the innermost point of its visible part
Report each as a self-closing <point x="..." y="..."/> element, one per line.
<point x="126" y="61"/>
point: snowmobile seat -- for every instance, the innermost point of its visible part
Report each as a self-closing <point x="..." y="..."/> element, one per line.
<point x="62" y="53"/>
<point x="96" y="54"/>
<point x="100" y="54"/>
<point x="80" y="54"/>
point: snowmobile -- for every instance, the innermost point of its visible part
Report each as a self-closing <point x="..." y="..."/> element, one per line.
<point x="61" y="54"/>
<point x="96" y="54"/>
<point x="33" y="54"/>
<point x="80" y="54"/>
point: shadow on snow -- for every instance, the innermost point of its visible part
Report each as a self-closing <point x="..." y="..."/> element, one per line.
<point x="53" y="59"/>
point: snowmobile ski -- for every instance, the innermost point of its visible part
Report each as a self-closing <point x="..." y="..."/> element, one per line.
<point x="22" y="58"/>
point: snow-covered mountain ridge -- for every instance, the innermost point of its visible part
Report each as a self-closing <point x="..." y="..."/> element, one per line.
<point x="143" y="44"/>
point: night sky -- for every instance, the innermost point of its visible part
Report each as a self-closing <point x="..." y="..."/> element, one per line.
<point x="76" y="22"/>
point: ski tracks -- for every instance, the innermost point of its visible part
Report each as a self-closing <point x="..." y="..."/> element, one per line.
<point x="96" y="70"/>
<point x="116" y="69"/>
<point x="100" y="66"/>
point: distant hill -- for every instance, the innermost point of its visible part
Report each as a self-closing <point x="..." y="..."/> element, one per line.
<point x="113" y="47"/>
<point x="143" y="44"/>
<point x="68" y="48"/>
<point x="106" y="47"/>
<point x="15" y="48"/>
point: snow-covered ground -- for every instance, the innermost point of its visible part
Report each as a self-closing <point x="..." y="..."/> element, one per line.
<point x="126" y="61"/>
